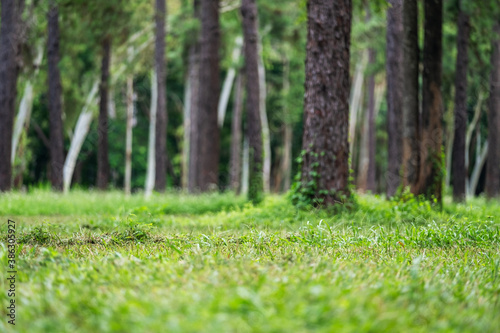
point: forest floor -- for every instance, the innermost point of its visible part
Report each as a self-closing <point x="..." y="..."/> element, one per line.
<point x="100" y="262"/>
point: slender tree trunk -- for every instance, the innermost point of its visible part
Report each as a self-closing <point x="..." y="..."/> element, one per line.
<point x="228" y="82"/>
<point x="194" y="135"/>
<point x="370" y="174"/>
<point x="394" y="69"/>
<point x="80" y="132"/>
<point x="151" y="172"/>
<point x="161" y="116"/>
<point x="411" y="128"/>
<point x="235" y="158"/>
<point x="128" y="136"/>
<point x="468" y="138"/>
<point x="431" y="173"/>
<point x="458" y="167"/>
<point x="208" y="154"/>
<point x="8" y="90"/>
<point x="254" y="129"/>
<point x="266" y="137"/>
<point x="102" y="150"/>
<point x="186" y="124"/>
<point x="478" y="167"/>
<point x="55" y="105"/>
<point x="493" y="159"/>
<point x="326" y="101"/>
<point x="286" y="160"/>
<point x="245" y="167"/>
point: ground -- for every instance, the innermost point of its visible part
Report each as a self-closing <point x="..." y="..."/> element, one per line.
<point x="101" y="262"/>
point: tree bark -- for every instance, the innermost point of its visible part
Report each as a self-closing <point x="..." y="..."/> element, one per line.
<point x="370" y="174"/>
<point x="102" y="151"/>
<point x="8" y="80"/>
<point x="458" y="167"/>
<point x="194" y="135"/>
<point x="493" y="159"/>
<point x="208" y="97"/>
<point x="326" y="102"/>
<point x="254" y="129"/>
<point x="81" y="129"/>
<point x="394" y="69"/>
<point x="411" y="128"/>
<point x="266" y="137"/>
<point x="151" y="172"/>
<point x="128" y="136"/>
<point x="55" y="105"/>
<point x="161" y="116"/>
<point x="235" y="157"/>
<point x="431" y="169"/>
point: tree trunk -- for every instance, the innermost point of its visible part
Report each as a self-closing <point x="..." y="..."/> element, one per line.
<point x="411" y="128"/>
<point x="208" y="97"/>
<point x="128" y="136"/>
<point x="8" y="81"/>
<point x="102" y="150"/>
<point x="431" y="169"/>
<point x="151" y="172"/>
<point x="80" y="132"/>
<point x="254" y="129"/>
<point x="266" y="137"/>
<point x="286" y="160"/>
<point x="326" y="102"/>
<point x="194" y="135"/>
<point x="55" y="105"/>
<point x="161" y="116"/>
<point x="468" y="138"/>
<point x="185" y="138"/>
<point x="228" y="82"/>
<point x="394" y="69"/>
<point x="370" y="174"/>
<point x="235" y="158"/>
<point x="245" y="167"/>
<point x="493" y="159"/>
<point x="458" y="167"/>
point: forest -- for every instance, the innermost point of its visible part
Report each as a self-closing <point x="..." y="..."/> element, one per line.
<point x="250" y="165"/>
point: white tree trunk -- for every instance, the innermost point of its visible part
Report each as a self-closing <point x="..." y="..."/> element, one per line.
<point x="476" y="172"/>
<point x="81" y="130"/>
<point x="468" y="137"/>
<point x="24" y="114"/>
<point x="355" y="98"/>
<point x="228" y="81"/>
<point x="266" y="139"/>
<point x="245" y="167"/>
<point x="150" y="176"/>
<point x="128" y="139"/>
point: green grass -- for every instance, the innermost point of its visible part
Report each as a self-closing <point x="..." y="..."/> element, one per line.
<point x="94" y="262"/>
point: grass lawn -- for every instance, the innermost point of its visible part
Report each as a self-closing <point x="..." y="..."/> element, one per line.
<point x="100" y="262"/>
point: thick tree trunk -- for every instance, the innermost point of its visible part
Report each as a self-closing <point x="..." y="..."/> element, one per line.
<point x="8" y="90"/>
<point x="235" y="157"/>
<point x="458" y="167"/>
<point x="102" y="150"/>
<point x="394" y="69"/>
<point x="411" y="128"/>
<point x="194" y="145"/>
<point x="208" y="97"/>
<point x="254" y="129"/>
<point x="326" y="102"/>
<point x="431" y="172"/>
<point x="55" y="105"/>
<point x="493" y="159"/>
<point x="161" y="116"/>
<point x="151" y="172"/>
